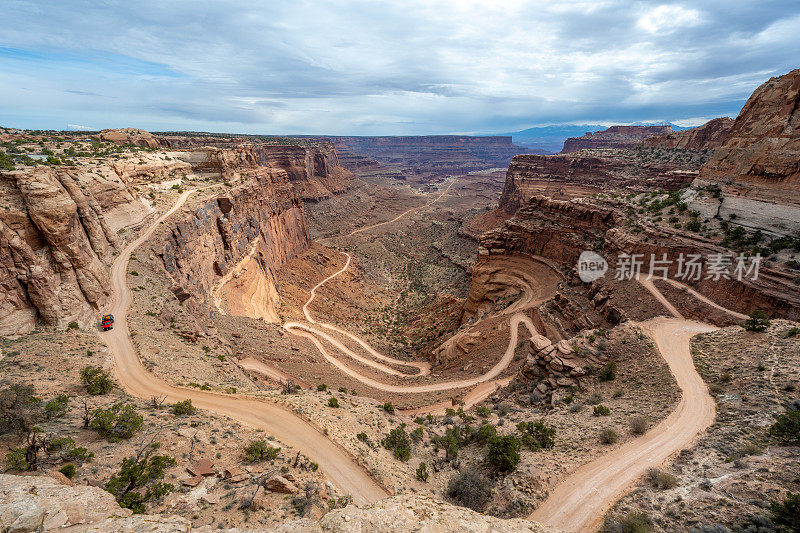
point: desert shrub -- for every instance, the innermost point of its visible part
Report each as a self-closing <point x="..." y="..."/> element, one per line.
<point x="389" y="408"/>
<point x="416" y="434"/>
<point x="601" y="410"/>
<point x="260" y="450"/>
<point x="68" y="470"/>
<point x="64" y="448"/>
<point x="120" y="421"/>
<point x="483" y="411"/>
<point x="422" y="472"/>
<point x="419" y="420"/>
<point x="138" y="481"/>
<point x="333" y="402"/>
<point x="594" y="398"/>
<point x="184" y="408"/>
<point x="20" y="409"/>
<point x="639" y="425"/>
<point x="485" y="433"/>
<point x="57" y="407"/>
<point x="608" y="372"/>
<point x="73" y="325"/>
<point x="450" y="412"/>
<point x="661" y="480"/>
<point x="503" y="452"/>
<point x="398" y="441"/>
<point x="449" y="442"/>
<point x="16" y="459"/>
<point x="787" y="512"/>
<point x="470" y="489"/>
<point x="633" y="522"/>
<point x="758" y="321"/>
<point x="322" y="387"/>
<point x="363" y="437"/>
<point x="96" y="380"/>
<point x="608" y="436"/>
<point x="536" y="435"/>
<point x="791" y="332"/>
<point x="503" y="409"/>
<point x="786" y="428"/>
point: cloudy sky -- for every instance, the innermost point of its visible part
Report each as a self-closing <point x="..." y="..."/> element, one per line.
<point x="396" y="67"/>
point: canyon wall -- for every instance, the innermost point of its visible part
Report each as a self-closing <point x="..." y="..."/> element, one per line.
<point x="709" y="136"/>
<point x="757" y="167"/>
<point x="568" y="176"/>
<point x="561" y="230"/>
<point x="436" y="153"/>
<point x="56" y="240"/>
<point x="614" y="137"/>
<point x="760" y="157"/>
<point x="261" y="218"/>
<point x="312" y="167"/>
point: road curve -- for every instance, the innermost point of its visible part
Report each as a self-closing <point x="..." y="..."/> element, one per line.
<point x="336" y="463"/>
<point x="580" y="501"/>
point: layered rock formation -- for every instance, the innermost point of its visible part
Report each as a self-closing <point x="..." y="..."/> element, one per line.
<point x="132" y="136"/>
<point x="567" y="176"/>
<point x="614" y="137"/>
<point x="55" y="242"/>
<point x="435" y="153"/>
<point x="261" y="217"/>
<point x="561" y="230"/>
<point x="709" y="136"/>
<point x="312" y="167"/>
<point x="760" y="158"/>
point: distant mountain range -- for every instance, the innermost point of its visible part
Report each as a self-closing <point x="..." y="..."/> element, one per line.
<point x="551" y="138"/>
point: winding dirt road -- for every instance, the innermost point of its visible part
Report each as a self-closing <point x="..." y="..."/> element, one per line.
<point x="581" y="500"/>
<point x="338" y="465"/>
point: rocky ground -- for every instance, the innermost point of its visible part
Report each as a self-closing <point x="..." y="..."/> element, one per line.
<point x="736" y="469"/>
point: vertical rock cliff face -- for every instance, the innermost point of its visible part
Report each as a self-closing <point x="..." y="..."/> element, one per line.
<point x="262" y="218"/>
<point x="55" y="243"/>
<point x="312" y="167"/>
<point x="709" y="136"/>
<point x="760" y="157"/>
<point x="531" y="175"/>
<point x="561" y="230"/>
<point x="614" y="137"/>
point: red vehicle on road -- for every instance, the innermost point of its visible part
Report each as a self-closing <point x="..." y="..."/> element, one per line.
<point x="107" y="322"/>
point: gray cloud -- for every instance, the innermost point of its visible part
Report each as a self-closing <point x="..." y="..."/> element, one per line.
<point x="366" y="67"/>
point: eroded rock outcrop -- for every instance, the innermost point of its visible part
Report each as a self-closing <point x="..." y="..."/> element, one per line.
<point x="566" y="176"/>
<point x="561" y="230"/>
<point x="709" y="136"/>
<point x="760" y="157"/>
<point x="261" y="217"/>
<point x="32" y="503"/>
<point x="614" y="137"/>
<point x="132" y="136"/>
<point x="55" y="243"/>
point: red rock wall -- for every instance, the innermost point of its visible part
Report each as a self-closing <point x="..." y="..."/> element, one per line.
<point x="709" y="136"/>
<point x="760" y="157"/>
<point x="614" y="137"/>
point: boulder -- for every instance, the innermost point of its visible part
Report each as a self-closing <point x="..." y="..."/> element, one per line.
<point x="280" y="484"/>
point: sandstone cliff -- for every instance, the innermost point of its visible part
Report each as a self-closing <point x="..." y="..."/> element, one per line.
<point x="132" y="136"/>
<point x="261" y="217"/>
<point x="614" y="137"/>
<point x="312" y="167"/>
<point x="55" y="241"/>
<point x="561" y="230"/>
<point x="709" y="136"/>
<point x="531" y="175"/>
<point x="38" y="503"/>
<point x="760" y="158"/>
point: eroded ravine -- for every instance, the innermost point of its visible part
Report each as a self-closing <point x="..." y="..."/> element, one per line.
<point x="337" y="464"/>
